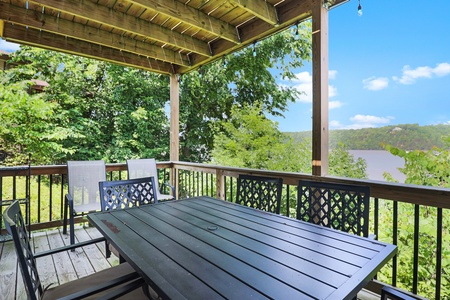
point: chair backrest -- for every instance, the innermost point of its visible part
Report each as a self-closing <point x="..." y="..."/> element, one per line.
<point x="127" y="193"/>
<point x="84" y="177"/>
<point x="15" y="226"/>
<point x="260" y="192"/>
<point x="339" y="206"/>
<point x="144" y="167"/>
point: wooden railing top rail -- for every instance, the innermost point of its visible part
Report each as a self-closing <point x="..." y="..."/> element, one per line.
<point x="409" y="193"/>
<point x="415" y="194"/>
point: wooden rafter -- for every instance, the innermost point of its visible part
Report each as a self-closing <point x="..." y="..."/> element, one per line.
<point x="38" y="38"/>
<point x="127" y="23"/>
<point x="259" y="8"/>
<point x="19" y="15"/>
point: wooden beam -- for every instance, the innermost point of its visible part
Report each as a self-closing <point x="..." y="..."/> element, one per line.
<point x="32" y="37"/>
<point x="320" y="89"/>
<point x="259" y="8"/>
<point x="290" y="13"/>
<point x="19" y="15"/>
<point x="174" y="117"/>
<point x="93" y="12"/>
<point x="193" y="17"/>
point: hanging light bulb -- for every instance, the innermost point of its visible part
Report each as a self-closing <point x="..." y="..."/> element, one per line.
<point x="296" y="30"/>
<point x="360" y="12"/>
<point x="254" y="48"/>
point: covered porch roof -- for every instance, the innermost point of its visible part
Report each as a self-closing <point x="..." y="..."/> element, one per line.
<point x="172" y="37"/>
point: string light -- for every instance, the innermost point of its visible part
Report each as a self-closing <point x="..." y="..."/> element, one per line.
<point x="254" y="48"/>
<point x="360" y="12"/>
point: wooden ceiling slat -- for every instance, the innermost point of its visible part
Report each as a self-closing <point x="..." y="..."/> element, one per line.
<point x="74" y="30"/>
<point x="127" y="23"/>
<point x="42" y="39"/>
<point x="257" y="29"/>
<point x="190" y="15"/>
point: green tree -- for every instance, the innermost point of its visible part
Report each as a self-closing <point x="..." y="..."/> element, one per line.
<point x="100" y="110"/>
<point x="429" y="168"/>
<point x="242" y="78"/>
<point x="249" y="140"/>
<point x="26" y="125"/>
<point x="342" y="163"/>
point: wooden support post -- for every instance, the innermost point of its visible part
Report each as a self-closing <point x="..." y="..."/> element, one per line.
<point x="220" y="184"/>
<point x="320" y="89"/>
<point x="174" y="127"/>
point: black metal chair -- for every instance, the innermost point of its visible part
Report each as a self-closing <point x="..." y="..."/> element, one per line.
<point x="339" y="206"/>
<point x="389" y="293"/>
<point x="121" y="194"/>
<point x="260" y="192"/>
<point x="120" y="282"/>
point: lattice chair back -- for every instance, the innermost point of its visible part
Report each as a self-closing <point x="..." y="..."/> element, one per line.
<point x="15" y="226"/>
<point x="122" y="194"/>
<point x="260" y="192"/>
<point x="146" y="167"/>
<point x="339" y="206"/>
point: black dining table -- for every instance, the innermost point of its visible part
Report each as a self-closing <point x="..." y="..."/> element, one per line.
<point x="205" y="248"/>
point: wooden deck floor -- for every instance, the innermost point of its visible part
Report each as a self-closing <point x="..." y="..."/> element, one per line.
<point x="59" y="268"/>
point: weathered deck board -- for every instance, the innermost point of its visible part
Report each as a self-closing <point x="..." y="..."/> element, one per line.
<point x="57" y="269"/>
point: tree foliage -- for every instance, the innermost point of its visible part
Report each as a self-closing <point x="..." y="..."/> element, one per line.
<point x="103" y="111"/>
<point x="26" y="124"/>
<point x="243" y="78"/>
<point x="428" y="168"/>
<point x="404" y="136"/>
<point x="250" y="140"/>
<point x="99" y="110"/>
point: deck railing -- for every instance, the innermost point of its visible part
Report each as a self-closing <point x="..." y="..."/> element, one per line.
<point x="416" y="218"/>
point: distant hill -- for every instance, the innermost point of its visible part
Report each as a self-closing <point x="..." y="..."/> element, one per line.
<point x="406" y="136"/>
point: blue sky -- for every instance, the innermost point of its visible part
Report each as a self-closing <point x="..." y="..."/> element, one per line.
<point x="389" y="66"/>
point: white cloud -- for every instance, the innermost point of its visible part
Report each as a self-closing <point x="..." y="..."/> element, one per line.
<point x="332" y="74"/>
<point x="362" y="121"/>
<point x="332" y="91"/>
<point x="410" y="76"/>
<point x="303" y="83"/>
<point x="442" y="69"/>
<point x="376" y="84"/>
<point x="334" y="104"/>
<point x="335" y="124"/>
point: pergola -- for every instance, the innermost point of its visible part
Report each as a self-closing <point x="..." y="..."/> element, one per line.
<point x="173" y="37"/>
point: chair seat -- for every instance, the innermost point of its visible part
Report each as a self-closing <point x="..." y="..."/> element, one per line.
<point x="164" y="197"/>
<point x="90" y="207"/>
<point x="94" y="280"/>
